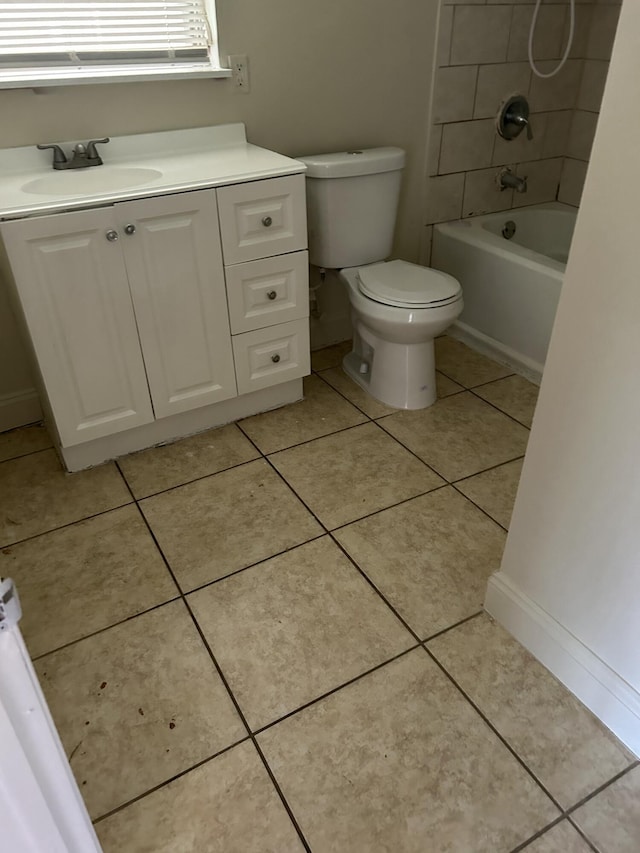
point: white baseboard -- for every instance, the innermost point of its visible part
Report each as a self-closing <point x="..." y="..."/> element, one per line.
<point x="615" y="702"/>
<point x="18" y="409"/>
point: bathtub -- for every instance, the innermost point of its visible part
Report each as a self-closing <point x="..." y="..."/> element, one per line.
<point x="511" y="286"/>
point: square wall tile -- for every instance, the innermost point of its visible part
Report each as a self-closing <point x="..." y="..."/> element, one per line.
<point x="85" y="577"/>
<point x="572" y="181"/>
<point x="322" y="411"/>
<point x="454" y="93"/>
<point x="445" y="26"/>
<point x="496" y="83"/>
<point x="508" y="151"/>
<point x="430" y="557"/>
<point x="459" y="436"/>
<point x="583" y="130"/>
<point x="583" y="21"/>
<point x="556" y="137"/>
<point x="480" y="34"/>
<point x="24" y="440"/>
<point x="160" y="468"/>
<point x="401" y="762"/>
<point x="543" y="180"/>
<point x="548" y="42"/>
<point x="466" y="145"/>
<point x="570" y="751"/>
<point x="295" y="627"/>
<point x="435" y="138"/>
<point x="213" y="527"/>
<point x="36" y="495"/>
<point x="354" y="473"/>
<point x="444" y="197"/>
<point x="556" y="93"/>
<point x="594" y="77"/>
<point x="482" y="193"/>
<point x="424" y="254"/>
<point x="228" y="804"/>
<point x="612" y="818"/>
<point x="137" y="704"/>
<point x="603" y="31"/>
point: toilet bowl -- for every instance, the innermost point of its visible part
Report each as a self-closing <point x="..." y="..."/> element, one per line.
<point x="397" y="310"/>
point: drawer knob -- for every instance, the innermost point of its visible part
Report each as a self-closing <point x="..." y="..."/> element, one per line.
<point x="275" y="358"/>
<point x="129" y="229"/>
<point x="266" y="221"/>
<point x="112" y="236"/>
<point x="271" y="295"/>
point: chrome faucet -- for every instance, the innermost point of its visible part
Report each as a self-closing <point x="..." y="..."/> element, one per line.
<point x="83" y="155"/>
<point x="506" y="180"/>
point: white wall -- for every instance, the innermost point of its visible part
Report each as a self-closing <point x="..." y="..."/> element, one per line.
<point x="324" y="76"/>
<point x="573" y="552"/>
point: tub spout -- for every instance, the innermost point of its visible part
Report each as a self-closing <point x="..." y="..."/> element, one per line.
<point x="506" y="180"/>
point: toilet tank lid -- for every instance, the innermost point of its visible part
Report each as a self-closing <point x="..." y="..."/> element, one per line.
<point x="349" y="164"/>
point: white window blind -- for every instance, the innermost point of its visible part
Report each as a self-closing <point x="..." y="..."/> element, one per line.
<point x="94" y="34"/>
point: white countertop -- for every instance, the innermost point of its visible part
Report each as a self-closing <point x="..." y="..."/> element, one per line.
<point x="190" y="159"/>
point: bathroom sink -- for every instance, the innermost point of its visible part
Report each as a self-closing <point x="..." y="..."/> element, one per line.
<point x="91" y="180"/>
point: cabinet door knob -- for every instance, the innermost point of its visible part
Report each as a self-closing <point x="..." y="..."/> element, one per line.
<point x="275" y="358"/>
<point x="112" y="236"/>
<point x="129" y="229"/>
<point x="266" y="221"/>
<point x="271" y="295"/>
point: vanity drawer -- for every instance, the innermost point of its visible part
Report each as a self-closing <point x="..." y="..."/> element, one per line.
<point x="273" y="355"/>
<point x="269" y="291"/>
<point x="262" y="218"/>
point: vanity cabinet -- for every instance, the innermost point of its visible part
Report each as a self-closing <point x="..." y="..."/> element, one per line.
<point x="147" y="309"/>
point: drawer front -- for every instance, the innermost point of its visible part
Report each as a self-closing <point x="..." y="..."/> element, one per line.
<point x="262" y="218"/>
<point x="273" y="355"/>
<point x="269" y="291"/>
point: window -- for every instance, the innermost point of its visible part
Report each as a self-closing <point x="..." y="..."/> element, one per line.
<point x="57" y="42"/>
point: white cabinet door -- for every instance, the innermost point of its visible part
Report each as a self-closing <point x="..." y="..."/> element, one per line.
<point x="172" y="253"/>
<point x="73" y="287"/>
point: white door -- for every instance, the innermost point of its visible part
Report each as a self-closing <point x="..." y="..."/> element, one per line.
<point x="172" y="253"/>
<point x="41" y="809"/>
<point x="73" y="288"/>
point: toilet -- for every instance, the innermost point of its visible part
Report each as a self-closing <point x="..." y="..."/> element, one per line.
<point x="397" y="308"/>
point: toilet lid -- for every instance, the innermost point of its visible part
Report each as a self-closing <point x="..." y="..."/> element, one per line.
<point x="408" y="285"/>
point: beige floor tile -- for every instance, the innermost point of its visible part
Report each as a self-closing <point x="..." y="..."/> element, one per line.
<point x="563" y="838"/>
<point x="338" y="379"/>
<point x="349" y="475"/>
<point x="85" y="577"/>
<point x="227" y="805"/>
<point x="18" y="442"/>
<point x="399" y="761"/>
<point x="322" y="411"/>
<point x="514" y="395"/>
<point x="291" y="629"/>
<point x="464" y="365"/>
<point x="226" y="522"/>
<point x="554" y="734"/>
<point x="431" y="557"/>
<point x="495" y="490"/>
<point x="136" y="704"/>
<point x="459" y="436"/>
<point x="36" y="495"/>
<point x="331" y="356"/>
<point x="161" y="468"/>
<point x="612" y="819"/>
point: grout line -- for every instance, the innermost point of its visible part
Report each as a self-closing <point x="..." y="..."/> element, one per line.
<point x="266" y="454"/>
<point x="539" y="834"/>
<point x="477" y="506"/>
<point x="186" y="482"/>
<point x="493" y="406"/>
<point x="168" y="781"/>
<point x="583" y="835"/>
<point x="451" y="627"/>
<point x="24" y="455"/>
<point x="602" y="787"/>
<point x="375" y="512"/>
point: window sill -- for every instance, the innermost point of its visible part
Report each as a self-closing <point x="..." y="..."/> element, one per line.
<point x="28" y="78"/>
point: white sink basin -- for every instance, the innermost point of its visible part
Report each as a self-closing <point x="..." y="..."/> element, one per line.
<point x="91" y="180"/>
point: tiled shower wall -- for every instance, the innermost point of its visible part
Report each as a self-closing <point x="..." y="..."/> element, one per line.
<point x="482" y="59"/>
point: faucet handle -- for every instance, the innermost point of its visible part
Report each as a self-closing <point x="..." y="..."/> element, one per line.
<point x="58" y="154"/>
<point x="92" y="151"/>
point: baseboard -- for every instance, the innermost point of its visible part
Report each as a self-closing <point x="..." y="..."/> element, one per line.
<point x="595" y="684"/>
<point x="499" y="352"/>
<point x="19" y="409"/>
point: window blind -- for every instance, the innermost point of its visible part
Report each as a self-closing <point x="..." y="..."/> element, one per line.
<point x="102" y="32"/>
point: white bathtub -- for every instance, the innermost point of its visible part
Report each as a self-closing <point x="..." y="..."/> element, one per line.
<point x="511" y="286"/>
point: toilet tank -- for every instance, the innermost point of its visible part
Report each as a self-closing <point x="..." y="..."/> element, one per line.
<point x="352" y="201"/>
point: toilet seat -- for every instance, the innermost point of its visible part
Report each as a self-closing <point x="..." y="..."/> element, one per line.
<point x="406" y="285"/>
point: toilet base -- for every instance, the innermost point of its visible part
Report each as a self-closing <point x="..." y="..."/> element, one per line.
<point x="399" y="375"/>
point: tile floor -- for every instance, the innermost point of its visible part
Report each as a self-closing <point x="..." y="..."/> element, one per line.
<point x="269" y="637"/>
